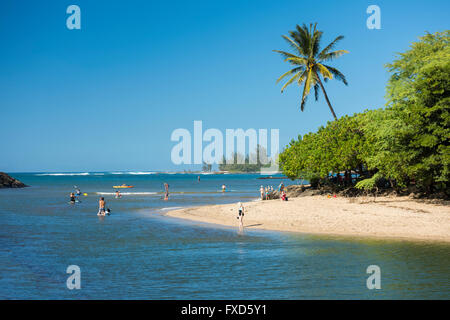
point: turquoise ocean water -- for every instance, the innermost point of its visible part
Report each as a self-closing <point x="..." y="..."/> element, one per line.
<point x="138" y="253"/>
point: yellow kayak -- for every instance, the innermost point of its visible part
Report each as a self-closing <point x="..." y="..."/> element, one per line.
<point x="116" y="187"/>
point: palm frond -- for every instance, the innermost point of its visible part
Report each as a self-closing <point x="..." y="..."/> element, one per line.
<point x="290" y="81"/>
<point x="306" y="88"/>
<point x="316" y="91"/>
<point x="303" y="38"/>
<point x="337" y="74"/>
<point x="302" y="105"/>
<point x="330" y="46"/>
<point x="324" y="71"/>
<point x="298" y="60"/>
<point x="316" y="38"/>
<point x="333" y="55"/>
<point x="302" y="77"/>
<point x="288" y="73"/>
<point x="292" y="43"/>
<point x="286" y="54"/>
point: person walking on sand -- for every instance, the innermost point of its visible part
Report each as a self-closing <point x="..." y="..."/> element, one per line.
<point x="241" y="216"/>
<point x="101" y="207"/>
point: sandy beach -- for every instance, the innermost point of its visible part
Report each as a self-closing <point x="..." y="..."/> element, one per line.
<point x="387" y="217"/>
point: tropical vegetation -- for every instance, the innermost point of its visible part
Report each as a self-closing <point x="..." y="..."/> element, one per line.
<point x="404" y="145"/>
<point x="250" y="163"/>
<point x="309" y="62"/>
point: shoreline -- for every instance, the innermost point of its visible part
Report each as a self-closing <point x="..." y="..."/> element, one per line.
<point x="400" y="218"/>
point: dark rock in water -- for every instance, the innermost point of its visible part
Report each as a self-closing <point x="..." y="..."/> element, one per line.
<point x="8" y="182"/>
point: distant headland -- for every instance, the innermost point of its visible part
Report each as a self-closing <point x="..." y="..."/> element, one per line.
<point x="9" y="182"/>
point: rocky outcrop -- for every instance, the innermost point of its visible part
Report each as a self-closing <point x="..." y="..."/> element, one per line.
<point x="8" y="182"/>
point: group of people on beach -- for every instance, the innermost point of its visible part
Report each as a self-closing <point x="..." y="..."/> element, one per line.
<point x="268" y="193"/>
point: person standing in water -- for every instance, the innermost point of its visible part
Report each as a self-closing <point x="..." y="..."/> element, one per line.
<point x="241" y="216"/>
<point x="198" y="178"/>
<point x="224" y="188"/>
<point x="101" y="207"/>
<point x="118" y="195"/>
<point x="166" y="194"/>
<point x="72" y="198"/>
<point x="261" y="192"/>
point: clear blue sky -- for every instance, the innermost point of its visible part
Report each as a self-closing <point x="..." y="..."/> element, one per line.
<point x="108" y="96"/>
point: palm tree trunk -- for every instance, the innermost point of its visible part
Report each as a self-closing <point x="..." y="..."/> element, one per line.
<point x="326" y="97"/>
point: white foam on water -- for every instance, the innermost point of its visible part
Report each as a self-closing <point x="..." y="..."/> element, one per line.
<point x="134" y="172"/>
<point x="64" y="174"/>
<point x="142" y="172"/>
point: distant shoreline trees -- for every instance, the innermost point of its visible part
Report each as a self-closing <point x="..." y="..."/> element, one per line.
<point x="246" y="163"/>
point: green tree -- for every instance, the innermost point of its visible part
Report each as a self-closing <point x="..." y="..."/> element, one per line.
<point x="239" y="163"/>
<point x="339" y="146"/>
<point x="418" y="94"/>
<point x="308" y="60"/>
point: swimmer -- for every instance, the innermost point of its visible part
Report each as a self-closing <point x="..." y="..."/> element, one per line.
<point x="118" y="195"/>
<point x="72" y="198"/>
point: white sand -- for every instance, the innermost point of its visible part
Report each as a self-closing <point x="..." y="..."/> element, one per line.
<point x="387" y="217"/>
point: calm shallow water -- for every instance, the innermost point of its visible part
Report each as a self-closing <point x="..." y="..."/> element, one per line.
<point x="136" y="253"/>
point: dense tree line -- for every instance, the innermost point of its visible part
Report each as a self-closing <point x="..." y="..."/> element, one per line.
<point x="250" y="163"/>
<point x="406" y="143"/>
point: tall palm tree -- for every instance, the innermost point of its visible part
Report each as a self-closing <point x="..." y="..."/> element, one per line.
<point x="308" y="61"/>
